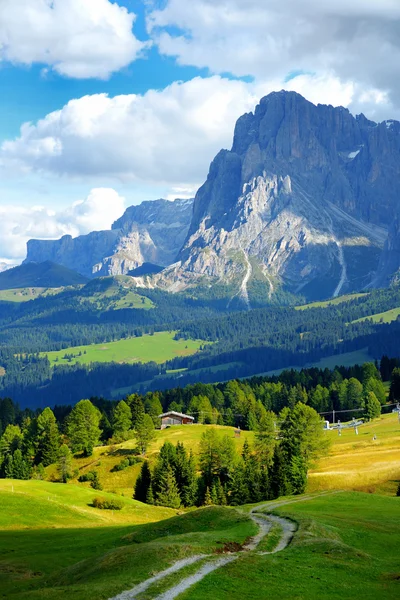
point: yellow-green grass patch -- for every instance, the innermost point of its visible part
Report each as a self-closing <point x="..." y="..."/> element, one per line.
<point x="26" y="294"/>
<point x="39" y="504"/>
<point x="332" y="302"/>
<point x="358" y="462"/>
<point x="384" y="317"/>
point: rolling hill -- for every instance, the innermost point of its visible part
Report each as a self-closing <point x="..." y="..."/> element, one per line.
<point x="46" y="274"/>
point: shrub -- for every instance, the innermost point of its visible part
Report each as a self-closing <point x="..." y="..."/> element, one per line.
<point x="89" y="476"/>
<point x="126" y="462"/>
<point x="108" y="503"/>
<point x="95" y="484"/>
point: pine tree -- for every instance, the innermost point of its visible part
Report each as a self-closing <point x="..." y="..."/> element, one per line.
<point x="169" y="493"/>
<point x="48" y="440"/>
<point x="207" y="498"/>
<point x="298" y="475"/>
<point x="9" y="467"/>
<point x="143" y="483"/>
<point x="238" y="492"/>
<point x="137" y="409"/>
<point x="279" y="481"/>
<point x="220" y="493"/>
<point x="372" y="407"/>
<point x="213" y="494"/>
<point x="149" y="496"/>
<point x="122" y="421"/>
<point x="20" y="468"/>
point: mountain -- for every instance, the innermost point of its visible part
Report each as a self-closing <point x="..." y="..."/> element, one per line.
<point x="302" y="202"/>
<point x="152" y="232"/>
<point x="46" y="274"/>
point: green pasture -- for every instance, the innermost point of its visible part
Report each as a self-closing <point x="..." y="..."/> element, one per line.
<point x="158" y="348"/>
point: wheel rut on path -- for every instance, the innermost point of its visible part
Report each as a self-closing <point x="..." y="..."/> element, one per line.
<point x="264" y="522"/>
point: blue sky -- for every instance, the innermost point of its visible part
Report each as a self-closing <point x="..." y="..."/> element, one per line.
<point x="131" y="100"/>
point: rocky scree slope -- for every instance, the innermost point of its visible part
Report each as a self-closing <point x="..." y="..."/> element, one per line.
<point x="302" y="201"/>
<point x="152" y="232"/>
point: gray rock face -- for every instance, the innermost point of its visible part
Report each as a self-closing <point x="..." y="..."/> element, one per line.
<point x="152" y="232"/>
<point x="303" y="201"/>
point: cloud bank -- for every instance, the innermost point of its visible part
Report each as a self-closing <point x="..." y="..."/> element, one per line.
<point x="75" y="38"/>
<point x="357" y="40"/>
<point x="19" y="224"/>
<point x="162" y="137"/>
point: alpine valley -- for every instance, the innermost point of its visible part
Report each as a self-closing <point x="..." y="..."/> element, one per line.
<point x="302" y="213"/>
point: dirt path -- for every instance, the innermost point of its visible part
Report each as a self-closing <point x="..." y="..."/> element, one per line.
<point x="142" y="587"/>
<point x="264" y="523"/>
<point x="187" y="583"/>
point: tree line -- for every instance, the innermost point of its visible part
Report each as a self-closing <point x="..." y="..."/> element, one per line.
<point x="32" y="440"/>
<point x="275" y="465"/>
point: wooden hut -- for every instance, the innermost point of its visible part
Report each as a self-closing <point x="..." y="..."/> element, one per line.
<point x="175" y="418"/>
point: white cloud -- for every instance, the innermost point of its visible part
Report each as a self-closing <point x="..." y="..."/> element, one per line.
<point x="166" y="137"/>
<point x="19" y="224"/>
<point x="163" y="136"/>
<point x="76" y="38"/>
<point x="355" y="40"/>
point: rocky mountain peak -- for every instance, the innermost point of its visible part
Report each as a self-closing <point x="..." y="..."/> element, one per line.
<point x="302" y="202"/>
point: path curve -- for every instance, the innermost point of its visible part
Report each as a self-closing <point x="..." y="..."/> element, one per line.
<point x="264" y="522"/>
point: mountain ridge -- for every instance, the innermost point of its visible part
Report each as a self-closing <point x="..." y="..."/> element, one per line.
<point x="302" y="201"/>
<point x="151" y="232"/>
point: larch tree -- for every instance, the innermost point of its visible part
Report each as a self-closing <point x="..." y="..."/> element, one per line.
<point x="122" y="421"/>
<point x="83" y="428"/>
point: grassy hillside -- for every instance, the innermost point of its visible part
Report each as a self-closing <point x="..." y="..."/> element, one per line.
<point x="96" y="563"/>
<point x="29" y="293"/>
<point x="105" y="458"/>
<point x="332" y="302"/>
<point x="346" y="546"/>
<point x="41" y="504"/>
<point x="46" y="274"/>
<point x="384" y="317"/>
<point x="357" y="462"/>
<point x="159" y="348"/>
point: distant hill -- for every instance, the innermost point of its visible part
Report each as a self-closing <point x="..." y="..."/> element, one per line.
<point x="46" y="274"/>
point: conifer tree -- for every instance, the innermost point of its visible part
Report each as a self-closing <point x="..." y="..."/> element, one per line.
<point x="207" y="498"/>
<point x="122" y="421"/>
<point x="83" y="428"/>
<point x="136" y="405"/>
<point x="149" y="496"/>
<point x="279" y="481"/>
<point x="143" y="483"/>
<point x="48" y="438"/>
<point x="220" y="493"/>
<point x="372" y="406"/>
<point x="213" y="494"/>
<point x="20" y="467"/>
<point x="168" y="494"/>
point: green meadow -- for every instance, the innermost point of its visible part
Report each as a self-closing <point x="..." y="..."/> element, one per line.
<point x="332" y="302"/>
<point x="29" y="293"/>
<point x="385" y="317"/>
<point x="159" y="348"/>
<point x="346" y="546"/>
